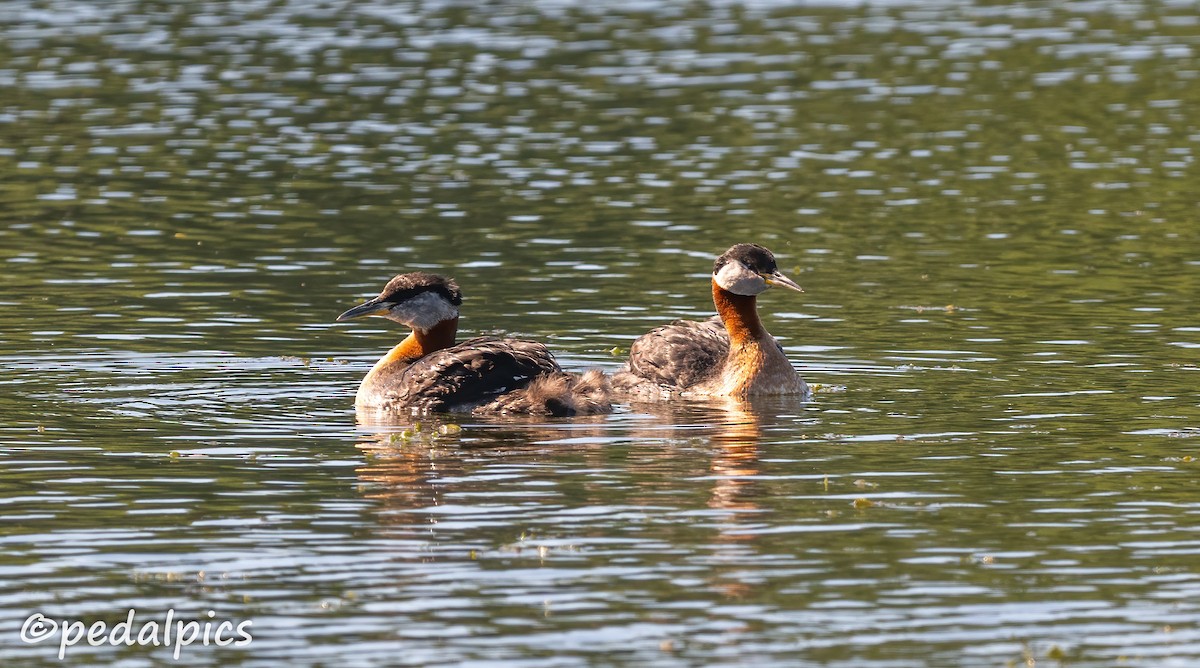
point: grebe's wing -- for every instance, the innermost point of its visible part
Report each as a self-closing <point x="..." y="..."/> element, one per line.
<point x="680" y="354"/>
<point x="470" y="373"/>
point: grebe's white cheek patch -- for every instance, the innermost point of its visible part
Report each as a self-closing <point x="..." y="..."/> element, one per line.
<point x="735" y="277"/>
<point x="423" y="311"/>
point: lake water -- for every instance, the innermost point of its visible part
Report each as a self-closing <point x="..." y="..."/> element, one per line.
<point x="991" y="207"/>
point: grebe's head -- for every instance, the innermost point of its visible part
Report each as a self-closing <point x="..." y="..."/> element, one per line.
<point x="419" y="300"/>
<point x="749" y="269"/>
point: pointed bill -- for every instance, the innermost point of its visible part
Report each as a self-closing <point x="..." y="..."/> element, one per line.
<point x="373" y="307"/>
<point x="782" y="281"/>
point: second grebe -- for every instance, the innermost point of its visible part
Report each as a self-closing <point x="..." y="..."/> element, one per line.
<point x="730" y="355"/>
<point x="428" y="372"/>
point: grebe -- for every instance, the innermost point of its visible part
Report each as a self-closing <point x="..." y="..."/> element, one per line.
<point x="729" y="355"/>
<point x="428" y="372"/>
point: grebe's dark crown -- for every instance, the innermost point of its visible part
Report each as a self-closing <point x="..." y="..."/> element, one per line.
<point x="406" y="286"/>
<point x="756" y="258"/>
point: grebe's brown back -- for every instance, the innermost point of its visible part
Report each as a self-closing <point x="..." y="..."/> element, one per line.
<point x="730" y="355"/>
<point x="429" y="372"/>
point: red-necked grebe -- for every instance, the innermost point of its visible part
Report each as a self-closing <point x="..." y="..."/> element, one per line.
<point x="730" y="355"/>
<point x="428" y="372"/>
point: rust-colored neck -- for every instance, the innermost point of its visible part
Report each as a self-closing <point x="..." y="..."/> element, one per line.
<point x="740" y="315"/>
<point x="422" y="342"/>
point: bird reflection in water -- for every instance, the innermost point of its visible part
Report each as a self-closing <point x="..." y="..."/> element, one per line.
<point x="409" y="466"/>
<point x="733" y="429"/>
<point x="643" y="459"/>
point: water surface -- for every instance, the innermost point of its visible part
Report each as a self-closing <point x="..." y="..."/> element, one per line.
<point x="990" y="208"/>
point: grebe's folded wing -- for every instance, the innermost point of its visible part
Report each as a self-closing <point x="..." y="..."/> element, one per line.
<point x="680" y="354"/>
<point x="470" y="373"/>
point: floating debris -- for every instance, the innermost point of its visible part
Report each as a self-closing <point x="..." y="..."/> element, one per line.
<point x="423" y="434"/>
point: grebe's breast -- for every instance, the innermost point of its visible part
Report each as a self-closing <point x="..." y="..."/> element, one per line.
<point x="457" y="378"/>
<point x="754" y="368"/>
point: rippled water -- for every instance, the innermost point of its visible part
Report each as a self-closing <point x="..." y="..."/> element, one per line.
<point x="990" y="206"/>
